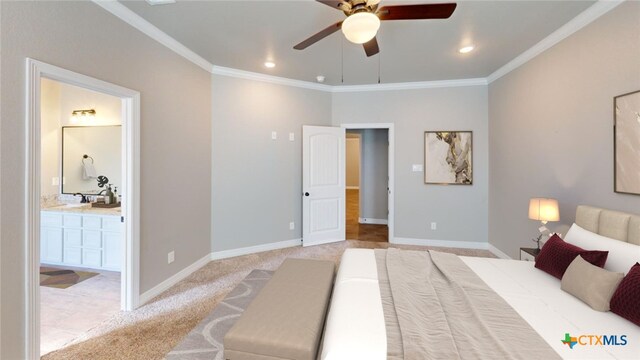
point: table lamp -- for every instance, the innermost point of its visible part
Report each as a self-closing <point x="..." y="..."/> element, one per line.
<point x="543" y="210"/>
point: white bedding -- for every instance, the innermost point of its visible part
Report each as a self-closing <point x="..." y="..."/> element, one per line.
<point x="355" y="327"/>
<point x="537" y="297"/>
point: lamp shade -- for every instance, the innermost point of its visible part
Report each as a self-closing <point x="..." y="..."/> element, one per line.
<point x="544" y="209"/>
<point x="360" y="27"/>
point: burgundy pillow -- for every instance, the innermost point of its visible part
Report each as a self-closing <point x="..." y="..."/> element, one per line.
<point x="625" y="299"/>
<point x="556" y="256"/>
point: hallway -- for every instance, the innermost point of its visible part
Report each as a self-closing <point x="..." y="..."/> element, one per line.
<point x="357" y="231"/>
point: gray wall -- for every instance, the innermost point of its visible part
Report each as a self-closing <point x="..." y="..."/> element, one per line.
<point x="551" y="130"/>
<point x="176" y="130"/>
<point x="257" y="182"/>
<point x="460" y="211"/>
<point x="374" y="198"/>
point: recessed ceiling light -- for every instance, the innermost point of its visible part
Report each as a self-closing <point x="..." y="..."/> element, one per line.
<point x="269" y="64"/>
<point x="466" y="49"/>
<point x="320" y="78"/>
<point x="160" y="2"/>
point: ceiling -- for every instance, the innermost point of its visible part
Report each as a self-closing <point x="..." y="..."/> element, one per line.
<point x="245" y="34"/>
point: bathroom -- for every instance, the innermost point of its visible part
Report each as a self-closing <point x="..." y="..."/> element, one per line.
<point x="81" y="230"/>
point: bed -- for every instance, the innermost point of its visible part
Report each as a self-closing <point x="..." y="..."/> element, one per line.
<point x="360" y="325"/>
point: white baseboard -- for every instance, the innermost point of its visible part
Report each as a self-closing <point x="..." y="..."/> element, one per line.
<point x="353" y="188"/>
<point x="182" y="274"/>
<point x="497" y="252"/>
<point x="217" y="255"/>
<point x="373" y="221"/>
<point x="441" y="243"/>
<point x="163" y="286"/>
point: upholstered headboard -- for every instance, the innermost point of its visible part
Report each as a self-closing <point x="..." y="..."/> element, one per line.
<point x="612" y="224"/>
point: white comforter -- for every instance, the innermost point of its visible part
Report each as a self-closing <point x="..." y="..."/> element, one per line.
<point x="355" y="326"/>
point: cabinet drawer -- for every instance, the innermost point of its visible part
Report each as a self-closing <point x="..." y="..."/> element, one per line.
<point x="92" y="239"/>
<point x="112" y="224"/>
<point x="72" y="237"/>
<point x="73" y="256"/>
<point x="91" y="222"/>
<point x="91" y="257"/>
<point x="50" y="219"/>
<point x="73" y="221"/>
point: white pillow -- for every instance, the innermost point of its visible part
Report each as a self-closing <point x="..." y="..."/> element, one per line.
<point x="622" y="255"/>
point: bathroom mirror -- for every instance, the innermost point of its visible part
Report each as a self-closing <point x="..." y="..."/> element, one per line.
<point x="87" y="153"/>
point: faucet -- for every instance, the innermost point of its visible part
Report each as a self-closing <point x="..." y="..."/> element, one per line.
<point x="84" y="199"/>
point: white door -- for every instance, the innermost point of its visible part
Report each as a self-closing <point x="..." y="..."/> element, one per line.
<point x="323" y="184"/>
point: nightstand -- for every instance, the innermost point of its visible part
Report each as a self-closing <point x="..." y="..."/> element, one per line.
<point x="529" y="254"/>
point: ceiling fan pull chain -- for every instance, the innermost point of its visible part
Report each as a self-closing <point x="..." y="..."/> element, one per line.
<point x="342" y="61"/>
<point x="379" y="61"/>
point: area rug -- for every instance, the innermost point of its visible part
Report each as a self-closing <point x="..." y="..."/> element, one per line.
<point x="62" y="278"/>
<point x="206" y="340"/>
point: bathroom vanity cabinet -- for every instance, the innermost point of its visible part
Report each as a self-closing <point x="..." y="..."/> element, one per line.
<point x="83" y="240"/>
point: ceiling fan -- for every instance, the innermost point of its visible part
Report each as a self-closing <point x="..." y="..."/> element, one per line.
<point x="364" y="16"/>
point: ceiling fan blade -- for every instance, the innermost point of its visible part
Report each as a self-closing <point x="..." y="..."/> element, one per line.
<point x="336" y="4"/>
<point x="319" y="36"/>
<point x="371" y="47"/>
<point x="416" y="12"/>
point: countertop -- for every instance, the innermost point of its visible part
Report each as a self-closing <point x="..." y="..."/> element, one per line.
<point x="85" y="209"/>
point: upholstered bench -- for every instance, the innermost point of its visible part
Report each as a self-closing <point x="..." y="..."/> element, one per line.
<point x="286" y="319"/>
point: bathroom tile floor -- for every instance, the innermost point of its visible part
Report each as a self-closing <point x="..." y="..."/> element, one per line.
<point x="65" y="314"/>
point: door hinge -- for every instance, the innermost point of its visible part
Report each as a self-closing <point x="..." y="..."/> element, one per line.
<point x="122" y="219"/>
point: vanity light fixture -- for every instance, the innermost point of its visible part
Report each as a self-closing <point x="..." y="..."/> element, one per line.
<point x="83" y="115"/>
<point x="270" y="64"/>
<point x="466" y="49"/>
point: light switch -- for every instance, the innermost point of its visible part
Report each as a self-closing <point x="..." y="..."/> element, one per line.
<point x="291" y="137"/>
<point x="274" y="135"/>
<point x="416" y="168"/>
<point x="55" y="181"/>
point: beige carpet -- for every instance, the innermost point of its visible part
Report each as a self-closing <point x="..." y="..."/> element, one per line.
<point x="151" y="331"/>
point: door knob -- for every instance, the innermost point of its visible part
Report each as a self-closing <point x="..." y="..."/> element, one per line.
<point x="306" y="194"/>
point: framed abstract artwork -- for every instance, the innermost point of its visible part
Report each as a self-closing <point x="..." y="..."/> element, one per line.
<point x="448" y="157"/>
<point x="626" y="143"/>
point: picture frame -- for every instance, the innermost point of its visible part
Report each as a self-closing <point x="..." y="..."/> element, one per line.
<point x="626" y="143"/>
<point x="448" y="157"/>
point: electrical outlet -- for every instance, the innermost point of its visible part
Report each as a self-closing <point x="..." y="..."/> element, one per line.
<point x="274" y="135"/>
<point x="434" y="226"/>
<point x="171" y="257"/>
<point x="416" y="167"/>
<point x="292" y="225"/>
<point x="292" y="137"/>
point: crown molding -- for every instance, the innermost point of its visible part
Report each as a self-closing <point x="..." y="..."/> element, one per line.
<point x="219" y="70"/>
<point x="581" y="20"/>
<point x="410" y="85"/>
<point x="248" y="75"/>
<point x="135" y="20"/>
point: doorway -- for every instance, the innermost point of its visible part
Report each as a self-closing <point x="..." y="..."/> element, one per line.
<point x="82" y="242"/>
<point x="370" y="207"/>
<point x="367" y="184"/>
<point x="81" y="229"/>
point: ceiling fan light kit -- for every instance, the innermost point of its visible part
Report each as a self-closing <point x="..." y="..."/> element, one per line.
<point x="360" y="27"/>
<point x="364" y="16"/>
